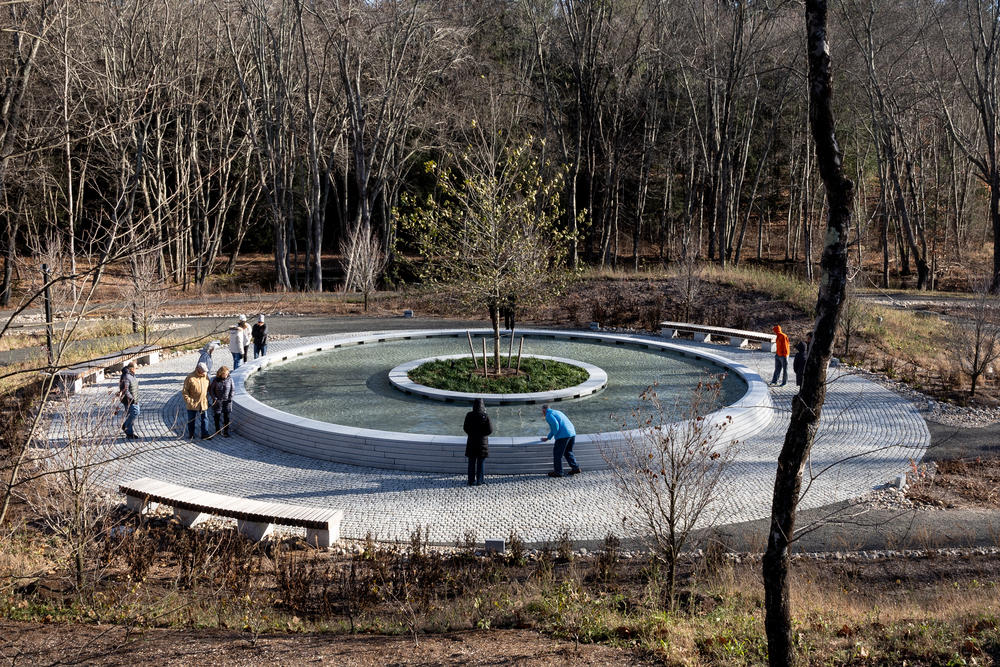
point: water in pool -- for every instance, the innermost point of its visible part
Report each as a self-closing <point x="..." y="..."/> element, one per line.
<point x="350" y="386"/>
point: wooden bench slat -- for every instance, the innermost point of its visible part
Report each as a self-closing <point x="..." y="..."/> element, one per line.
<point x="285" y="511"/>
<point x="722" y="331"/>
<point x="246" y="509"/>
<point x="143" y="485"/>
<point x="225" y="504"/>
<point x="144" y="490"/>
<point x="737" y="337"/>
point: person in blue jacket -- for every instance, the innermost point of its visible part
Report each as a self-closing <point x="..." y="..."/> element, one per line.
<point x="560" y="428"/>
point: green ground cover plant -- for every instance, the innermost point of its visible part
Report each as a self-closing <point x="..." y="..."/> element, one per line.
<point x="535" y="375"/>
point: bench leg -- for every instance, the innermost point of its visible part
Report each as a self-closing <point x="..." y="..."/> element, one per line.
<point x="73" y="386"/>
<point x="318" y="538"/>
<point x="701" y="337"/>
<point x="767" y="346"/>
<point x="254" y="530"/>
<point x="147" y="359"/>
<point x="139" y="505"/>
<point x="736" y="341"/>
<point x="323" y="538"/>
<point x="190" y="518"/>
<point x="668" y="333"/>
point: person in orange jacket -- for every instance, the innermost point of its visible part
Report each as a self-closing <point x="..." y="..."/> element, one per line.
<point x="780" y="356"/>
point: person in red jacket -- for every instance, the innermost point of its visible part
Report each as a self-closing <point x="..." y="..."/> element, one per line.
<point x="780" y="356"/>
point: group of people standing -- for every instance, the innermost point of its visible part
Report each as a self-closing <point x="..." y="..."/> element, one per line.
<point x="478" y="427"/>
<point x="200" y="392"/>
<point x="781" y="353"/>
<point x="242" y="335"/>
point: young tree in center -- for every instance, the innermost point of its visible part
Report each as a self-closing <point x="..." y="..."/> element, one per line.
<point x="491" y="230"/>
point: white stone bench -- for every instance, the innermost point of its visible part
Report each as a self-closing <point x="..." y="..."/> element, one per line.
<point x="143" y="355"/>
<point x="72" y="379"/>
<point x="703" y="333"/>
<point x="254" y="518"/>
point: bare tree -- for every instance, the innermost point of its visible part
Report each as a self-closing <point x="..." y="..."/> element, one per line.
<point x="67" y="491"/>
<point x="977" y="335"/>
<point x="260" y="37"/>
<point x="852" y="312"/>
<point x="807" y="405"/>
<point x="669" y="469"/>
<point x="893" y="99"/>
<point x="723" y="87"/>
<point x="149" y="292"/>
<point x="389" y="57"/>
<point x="973" y="54"/>
<point x="26" y="30"/>
<point x="363" y="260"/>
<point x="689" y="279"/>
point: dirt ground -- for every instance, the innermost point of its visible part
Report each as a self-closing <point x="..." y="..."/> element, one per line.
<point x="904" y="589"/>
<point x="49" y="644"/>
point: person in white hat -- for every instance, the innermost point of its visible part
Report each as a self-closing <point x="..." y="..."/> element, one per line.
<point x="239" y="341"/>
<point x="196" y="399"/>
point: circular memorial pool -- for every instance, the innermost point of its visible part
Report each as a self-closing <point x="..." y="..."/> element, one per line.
<point x="351" y="386"/>
<point x="331" y="398"/>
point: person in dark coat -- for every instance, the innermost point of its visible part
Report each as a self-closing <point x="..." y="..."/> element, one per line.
<point x="258" y="334"/>
<point x="478" y="426"/>
<point x="128" y="394"/>
<point x="220" y="394"/>
<point x="799" y="362"/>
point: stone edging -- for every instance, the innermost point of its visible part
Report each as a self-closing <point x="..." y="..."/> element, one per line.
<point x="419" y="452"/>
<point x="597" y="380"/>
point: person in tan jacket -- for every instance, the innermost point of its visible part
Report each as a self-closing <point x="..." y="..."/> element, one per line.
<point x="196" y="398"/>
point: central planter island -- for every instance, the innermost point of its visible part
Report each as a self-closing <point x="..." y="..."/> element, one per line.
<point x="597" y="380"/>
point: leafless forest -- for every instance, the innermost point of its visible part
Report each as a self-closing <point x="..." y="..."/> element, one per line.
<point x="183" y="132"/>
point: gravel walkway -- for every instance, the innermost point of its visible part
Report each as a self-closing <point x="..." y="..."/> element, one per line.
<point x="869" y="434"/>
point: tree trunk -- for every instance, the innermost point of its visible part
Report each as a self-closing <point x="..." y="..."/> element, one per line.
<point x="808" y="404"/>
<point x="495" y="321"/>
<point x="995" y="218"/>
<point x="6" y="283"/>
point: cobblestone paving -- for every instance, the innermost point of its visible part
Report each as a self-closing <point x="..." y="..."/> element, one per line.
<point x="868" y="435"/>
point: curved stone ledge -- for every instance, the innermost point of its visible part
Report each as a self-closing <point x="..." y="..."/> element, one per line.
<point x="417" y="452"/>
<point x="597" y="380"/>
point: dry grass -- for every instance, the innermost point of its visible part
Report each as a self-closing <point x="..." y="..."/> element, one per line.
<point x="924" y="612"/>
<point x="914" y="346"/>
<point x="19" y="374"/>
<point x="959" y="483"/>
<point x="799" y="293"/>
<point x="86" y="330"/>
<point x="22" y="557"/>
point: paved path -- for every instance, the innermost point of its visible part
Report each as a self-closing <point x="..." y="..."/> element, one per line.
<point x="868" y="435"/>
